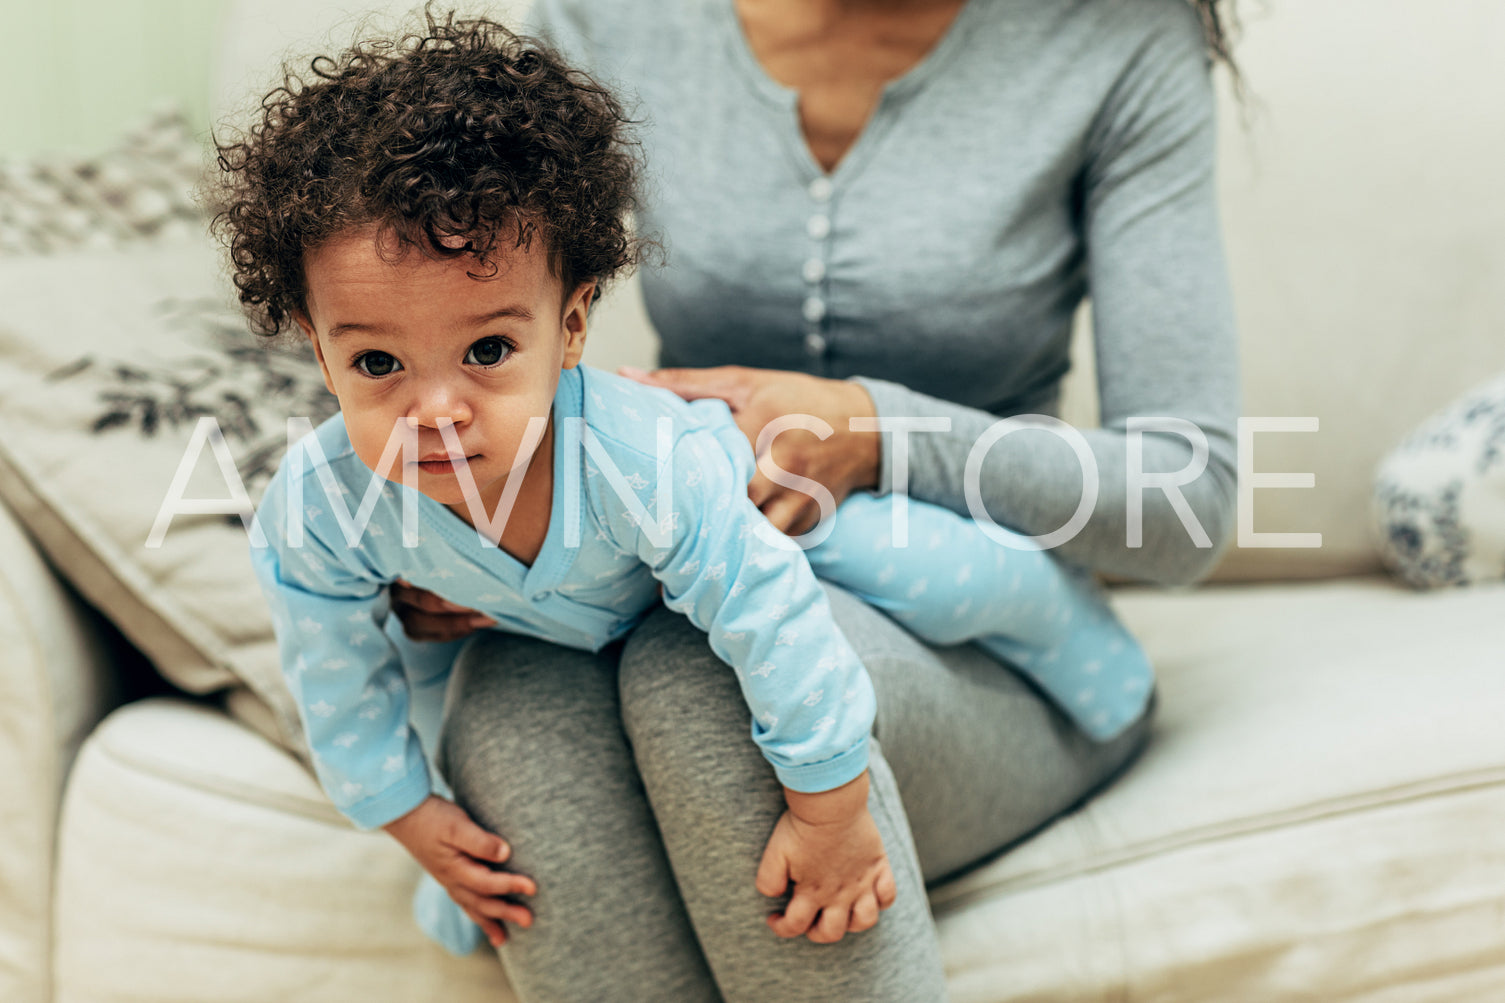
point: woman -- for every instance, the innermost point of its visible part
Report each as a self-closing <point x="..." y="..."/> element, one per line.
<point x="890" y="210"/>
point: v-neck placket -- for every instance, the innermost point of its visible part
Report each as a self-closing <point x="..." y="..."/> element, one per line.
<point x="817" y="179"/>
<point x="823" y="189"/>
<point x="536" y="582"/>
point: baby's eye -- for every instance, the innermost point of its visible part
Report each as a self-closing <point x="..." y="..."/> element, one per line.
<point x="376" y="364"/>
<point x="488" y="352"/>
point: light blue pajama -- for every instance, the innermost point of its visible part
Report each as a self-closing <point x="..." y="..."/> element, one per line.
<point x="649" y="491"/>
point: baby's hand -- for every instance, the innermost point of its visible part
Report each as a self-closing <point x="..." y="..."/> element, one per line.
<point x="458" y="853"/>
<point x="829" y="846"/>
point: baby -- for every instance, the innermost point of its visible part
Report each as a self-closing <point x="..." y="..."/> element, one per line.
<point x="437" y="214"/>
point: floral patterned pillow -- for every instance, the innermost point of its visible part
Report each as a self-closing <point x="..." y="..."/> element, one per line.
<point x="139" y="191"/>
<point x="1439" y="498"/>
<point x="109" y="359"/>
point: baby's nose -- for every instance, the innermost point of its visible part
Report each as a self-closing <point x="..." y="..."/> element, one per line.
<point x="438" y="402"/>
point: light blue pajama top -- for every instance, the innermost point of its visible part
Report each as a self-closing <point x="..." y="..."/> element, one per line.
<point x="597" y="573"/>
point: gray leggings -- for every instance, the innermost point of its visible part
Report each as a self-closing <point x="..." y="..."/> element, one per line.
<point x="629" y="787"/>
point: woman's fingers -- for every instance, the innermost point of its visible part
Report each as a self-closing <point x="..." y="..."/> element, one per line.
<point x="788" y="511"/>
<point x="729" y="383"/>
<point x="760" y="489"/>
<point x="428" y="617"/>
<point x="440" y="626"/>
<point x="407" y="594"/>
<point x="791" y="512"/>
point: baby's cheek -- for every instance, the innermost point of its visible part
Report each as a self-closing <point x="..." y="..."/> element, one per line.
<point x="369" y="440"/>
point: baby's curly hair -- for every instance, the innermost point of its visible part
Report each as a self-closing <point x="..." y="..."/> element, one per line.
<point x="451" y="139"/>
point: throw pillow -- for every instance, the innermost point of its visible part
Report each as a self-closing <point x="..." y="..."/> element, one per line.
<point x="107" y="361"/>
<point x="1439" y="498"/>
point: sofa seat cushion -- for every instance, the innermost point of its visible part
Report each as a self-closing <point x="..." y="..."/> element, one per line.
<point x="1314" y="818"/>
<point x="198" y="861"/>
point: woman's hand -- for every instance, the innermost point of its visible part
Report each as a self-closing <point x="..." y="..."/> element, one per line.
<point x="847" y="461"/>
<point x="460" y="854"/>
<point x="830" y="847"/>
<point x="426" y="617"/>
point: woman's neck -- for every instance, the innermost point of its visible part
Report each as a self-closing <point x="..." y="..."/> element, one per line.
<point x="839" y="54"/>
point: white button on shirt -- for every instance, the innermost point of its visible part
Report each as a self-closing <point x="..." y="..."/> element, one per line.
<point x="818" y="227"/>
<point x="814" y="309"/>
<point x="814" y="270"/>
<point x="820" y="189"/>
<point x="815" y="344"/>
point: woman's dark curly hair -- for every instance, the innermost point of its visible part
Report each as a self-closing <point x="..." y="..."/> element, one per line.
<point x="452" y="139"/>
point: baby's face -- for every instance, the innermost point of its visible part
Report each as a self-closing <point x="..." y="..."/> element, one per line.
<point x="420" y="344"/>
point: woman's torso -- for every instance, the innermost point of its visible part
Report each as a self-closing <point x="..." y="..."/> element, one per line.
<point x="945" y="251"/>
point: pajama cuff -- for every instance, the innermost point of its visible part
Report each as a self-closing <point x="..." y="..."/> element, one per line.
<point x="391" y="804"/>
<point x="829" y="774"/>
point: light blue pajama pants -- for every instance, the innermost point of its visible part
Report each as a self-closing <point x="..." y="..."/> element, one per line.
<point x="957" y="581"/>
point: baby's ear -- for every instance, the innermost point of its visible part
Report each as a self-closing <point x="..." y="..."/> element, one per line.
<point x="307" y="326"/>
<point x="576" y="315"/>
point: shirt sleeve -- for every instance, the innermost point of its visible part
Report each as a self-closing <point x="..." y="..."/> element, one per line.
<point x="1163" y="330"/>
<point x="344" y="672"/>
<point x="763" y="611"/>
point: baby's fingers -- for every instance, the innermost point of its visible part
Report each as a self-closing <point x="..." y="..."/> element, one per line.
<point x="885" y="888"/>
<point x="864" y="913"/>
<point x="493" y="908"/>
<point x="494" y="931"/>
<point x="773" y="873"/>
<point x="797" y="916"/>
<point x="484" y="881"/>
<point x="831" y="925"/>
<point x="471" y="839"/>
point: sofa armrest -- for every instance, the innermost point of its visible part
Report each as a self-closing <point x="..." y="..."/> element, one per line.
<point x="58" y="678"/>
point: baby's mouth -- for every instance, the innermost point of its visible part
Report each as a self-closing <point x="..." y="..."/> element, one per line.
<point x="445" y="464"/>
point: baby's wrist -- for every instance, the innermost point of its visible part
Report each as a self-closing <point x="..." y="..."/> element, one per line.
<point x="402" y="826"/>
<point x="833" y="807"/>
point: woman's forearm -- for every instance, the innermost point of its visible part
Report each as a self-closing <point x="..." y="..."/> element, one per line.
<point x="1032" y="481"/>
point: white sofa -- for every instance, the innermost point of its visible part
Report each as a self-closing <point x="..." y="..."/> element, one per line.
<point x="1317" y="817"/>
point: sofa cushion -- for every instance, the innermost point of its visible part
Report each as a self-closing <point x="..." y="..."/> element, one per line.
<point x="199" y="862"/>
<point x="1311" y="820"/>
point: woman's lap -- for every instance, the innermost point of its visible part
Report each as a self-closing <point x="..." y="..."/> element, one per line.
<point x="593" y="771"/>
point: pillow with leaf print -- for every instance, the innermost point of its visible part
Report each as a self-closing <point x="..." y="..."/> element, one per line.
<point x="1439" y="497"/>
<point x="108" y="361"/>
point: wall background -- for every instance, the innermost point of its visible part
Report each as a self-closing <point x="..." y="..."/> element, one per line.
<point x="77" y="73"/>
